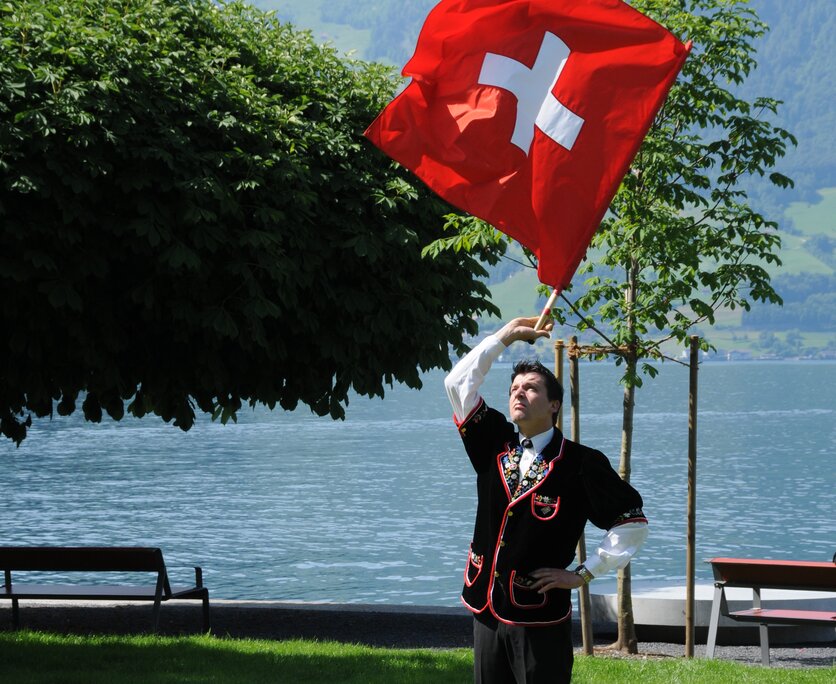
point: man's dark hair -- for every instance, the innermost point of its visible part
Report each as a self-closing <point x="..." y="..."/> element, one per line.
<point x="554" y="390"/>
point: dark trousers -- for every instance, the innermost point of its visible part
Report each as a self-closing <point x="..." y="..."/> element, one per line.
<point x="511" y="654"/>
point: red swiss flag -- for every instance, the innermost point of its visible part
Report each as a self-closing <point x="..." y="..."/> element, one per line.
<point x="527" y="114"/>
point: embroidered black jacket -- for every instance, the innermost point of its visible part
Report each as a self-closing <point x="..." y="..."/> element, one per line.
<point x="526" y="521"/>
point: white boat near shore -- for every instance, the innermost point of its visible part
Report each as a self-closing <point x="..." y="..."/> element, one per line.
<point x="659" y="612"/>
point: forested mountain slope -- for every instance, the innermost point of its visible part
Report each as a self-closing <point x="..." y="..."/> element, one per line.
<point x="796" y="64"/>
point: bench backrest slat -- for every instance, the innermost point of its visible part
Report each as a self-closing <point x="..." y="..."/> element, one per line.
<point x="82" y="558"/>
<point x="746" y="572"/>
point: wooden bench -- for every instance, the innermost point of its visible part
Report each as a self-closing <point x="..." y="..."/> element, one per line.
<point x="768" y="574"/>
<point x="95" y="559"/>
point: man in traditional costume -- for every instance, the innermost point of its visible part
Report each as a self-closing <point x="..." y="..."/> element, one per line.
<point x="536" y="490"/>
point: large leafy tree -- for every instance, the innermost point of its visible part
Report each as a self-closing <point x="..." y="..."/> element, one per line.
<point x="190" y="219"/>
<point x="681" y="240"/>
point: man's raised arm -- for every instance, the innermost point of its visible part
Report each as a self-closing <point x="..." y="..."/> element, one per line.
<point x="463" y="382"/>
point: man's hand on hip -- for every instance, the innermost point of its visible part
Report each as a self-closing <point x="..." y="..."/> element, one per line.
<point x="555" y="578"/>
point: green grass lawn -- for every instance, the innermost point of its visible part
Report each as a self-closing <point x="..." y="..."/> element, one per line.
<point x="748" y="340"/>
<point x="796" y="259"/>
<point x="817" y="218"/>
<point x="516" y="296"/>
<point x="30" y="657"/>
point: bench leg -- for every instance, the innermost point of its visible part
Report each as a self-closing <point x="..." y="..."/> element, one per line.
<point x="713" y="622"/>
<point x="206" y="626"/>
<point x="15" y="614"/>
<point x="155" y="617"/>
<point x="764" y="632"/>
<point x="763" y="629"/>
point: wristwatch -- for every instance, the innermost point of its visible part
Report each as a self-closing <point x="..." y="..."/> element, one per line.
<point x="585" y="575"/>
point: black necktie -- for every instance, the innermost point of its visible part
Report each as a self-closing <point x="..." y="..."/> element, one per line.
<point x="527" y="444"/>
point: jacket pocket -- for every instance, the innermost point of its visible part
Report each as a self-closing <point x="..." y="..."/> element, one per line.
<point x="473" y="568"/>
<point x="544" y="507"/>
<point x="522" y="595"/>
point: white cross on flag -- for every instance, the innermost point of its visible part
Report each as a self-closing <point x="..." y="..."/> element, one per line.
<point x="527" y="114"/>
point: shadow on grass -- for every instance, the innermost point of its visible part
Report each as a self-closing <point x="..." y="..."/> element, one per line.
<point x="29" y="657"/>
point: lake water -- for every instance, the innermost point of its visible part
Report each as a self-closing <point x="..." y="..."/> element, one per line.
<point x="379" y="508"/>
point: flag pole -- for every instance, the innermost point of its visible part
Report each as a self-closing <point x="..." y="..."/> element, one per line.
<point x="547" y="309"/>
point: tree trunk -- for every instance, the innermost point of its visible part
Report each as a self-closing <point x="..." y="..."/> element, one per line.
<point x="627" y="641"/>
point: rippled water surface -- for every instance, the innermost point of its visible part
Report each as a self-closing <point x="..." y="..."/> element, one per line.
<point x="379" y="507"/>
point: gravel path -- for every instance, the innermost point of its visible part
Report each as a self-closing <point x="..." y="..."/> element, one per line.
<point x="783" y="656"/>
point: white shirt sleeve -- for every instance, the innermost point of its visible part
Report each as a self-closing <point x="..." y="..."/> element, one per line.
<point x="619" y="545"/>
<point x="463" y="382"/>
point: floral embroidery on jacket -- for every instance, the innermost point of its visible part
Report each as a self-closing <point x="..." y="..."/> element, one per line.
<point x="633" y="515"/>
<point x="535" y="474"/>
<point x="511" y="467"/>
<point x="480" y="412"/>
<point x="511" y="471"/>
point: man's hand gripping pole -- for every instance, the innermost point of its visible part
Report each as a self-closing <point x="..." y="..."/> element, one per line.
<point x="546" y="310"/>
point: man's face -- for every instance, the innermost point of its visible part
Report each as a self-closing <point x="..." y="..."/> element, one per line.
<point x="529" y="406"/>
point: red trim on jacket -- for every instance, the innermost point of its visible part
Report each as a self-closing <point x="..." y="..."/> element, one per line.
<point x="534" y="624"/>
<point x="470" y="415"/>
<point x="629" y="520"/>
<point x="554" y="506"/>
<point x="500" y="534"/>
<point x="514" y="603"/>
<point x="470" y="562"/>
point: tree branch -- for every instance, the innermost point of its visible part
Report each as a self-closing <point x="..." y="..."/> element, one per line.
<point x="587" y="322"/>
